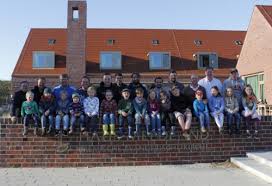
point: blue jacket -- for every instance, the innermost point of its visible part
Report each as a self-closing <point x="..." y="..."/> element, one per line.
<point x="216" y="104"/>
<point x="63" y="106"/>
<point x="140" y="108"/>
<point x="57" y="90"/>
<point x="200" y="107"/>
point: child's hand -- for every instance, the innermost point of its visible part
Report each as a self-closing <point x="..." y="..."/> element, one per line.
<point x="89" y="114"/>
<point x="47" y="113"/>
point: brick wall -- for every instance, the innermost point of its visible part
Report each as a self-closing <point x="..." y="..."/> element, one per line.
<point x="84" y="151"/>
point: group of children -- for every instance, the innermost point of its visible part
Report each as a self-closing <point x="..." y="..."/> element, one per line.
<point x="156" y="113"/>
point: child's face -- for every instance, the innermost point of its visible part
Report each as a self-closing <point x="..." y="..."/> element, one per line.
<point x="199" y="96"/>
<point x="29" y="98"/>
<point x="163" y="96"/>
<point x="248" y="91"/>
<point x="126" y="95"/>
<point x="109" y="96"/>
<point x="91" y="92"/>
<point x="48" y="95"/>
<point x="176" y="92"/>
<point x="63" y="96"/>
<point x="139" y="94"/>
<point x="229" y="92"/>
<point x="214" y="92"/>
<point x="75" y="99"/>
<point x="152" y="95"/>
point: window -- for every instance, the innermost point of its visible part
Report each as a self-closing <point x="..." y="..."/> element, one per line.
<point x="257" y="83"/>
<point x="110" y="60"/>
<point x="205" y="60"/>
<point x="197" y="42"/>
<point x="159" y="60"/>
<point x="110" y="41"/>
<point x="155" y="42"/>
<point x="52" y="41"/>
<point x="238" y="42"/>
<point x="75" y="14"/>
<point x="43" y="59"/>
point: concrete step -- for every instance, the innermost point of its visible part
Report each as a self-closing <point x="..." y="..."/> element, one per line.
<point x="261" y="157"/>
<point x="252" y="166"/>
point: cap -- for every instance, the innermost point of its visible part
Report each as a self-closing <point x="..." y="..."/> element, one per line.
<point x="125" y="90"/>
<point x="47" y="91"/>
<point x="75" y="95"/>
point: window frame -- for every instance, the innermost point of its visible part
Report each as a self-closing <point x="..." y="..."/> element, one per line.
<point x="260" y="83"/>
<point x="34" y="53"/>
<point x="160" y="68"/>
<point x="112" y="52"/>
<point x="199" y="54"/>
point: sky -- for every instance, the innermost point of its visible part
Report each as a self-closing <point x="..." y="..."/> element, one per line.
<point x="18" y="17"/>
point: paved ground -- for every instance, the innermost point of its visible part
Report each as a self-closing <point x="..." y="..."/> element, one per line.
<point x="197" y="175"/>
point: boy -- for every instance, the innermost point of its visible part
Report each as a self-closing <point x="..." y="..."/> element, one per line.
<point x="77" y="113"/>
<point x="29" y="111"/>
<point x="47" y="109"/>
<point x="125" y="110"/>
<point x="91" y="109"/>
<point x="108" y="112"/>
<point x="62" y="111"/>
<point x="140" y="107"/>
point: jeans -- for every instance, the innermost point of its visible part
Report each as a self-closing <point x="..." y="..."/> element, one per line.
<point x="168" y="118"/>
<point x="81" y="121"/>
<point x="156" y="121"/>
<point x="108" y="118"/>
<point x="31" y="116"/>
<point x="92" y="123"/>
<point x="139" y="119"/>
<point x="219" y="119"/>
<point x="204" y="119"/>
<point x="65" y="120"/>
<point x="230" y="117"/>
<point x="48" y="118"/>
<point x="122" y="121"/>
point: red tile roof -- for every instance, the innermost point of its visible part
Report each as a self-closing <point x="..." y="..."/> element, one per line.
<point x="134" y="44"/>
<point x="267" y="12"/>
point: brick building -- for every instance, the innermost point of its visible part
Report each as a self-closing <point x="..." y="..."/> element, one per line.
<point x="78" y="50"/>
<point x="255" y="61"/>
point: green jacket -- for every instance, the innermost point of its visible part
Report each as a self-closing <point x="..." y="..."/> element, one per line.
<point x="29" y="108"/>
<point x="125" y="106"/>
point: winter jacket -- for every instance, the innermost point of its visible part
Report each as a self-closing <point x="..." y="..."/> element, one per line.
<point x="47" y="104"/>
<point x="91" y="106"/>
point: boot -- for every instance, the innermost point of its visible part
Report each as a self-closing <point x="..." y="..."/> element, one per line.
<point x="112" y="129"/>
<point x="105" y="130"/>
<point x="25" y="131"/>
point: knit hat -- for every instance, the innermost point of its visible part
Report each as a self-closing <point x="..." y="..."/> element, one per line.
<point x="75" y="95"/>
<point x="47" y="91"/>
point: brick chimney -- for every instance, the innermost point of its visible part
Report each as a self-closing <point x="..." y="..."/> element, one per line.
<point x="76" y="40"/>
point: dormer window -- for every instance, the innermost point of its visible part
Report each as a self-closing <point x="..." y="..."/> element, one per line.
<point x="110" y="42"/>
<point x="52" y="41"/>
<point x="75" y="14"/>
<point x="198" y="42"/>
<point x="238" y="42"/>
<point x="155" y="42"/>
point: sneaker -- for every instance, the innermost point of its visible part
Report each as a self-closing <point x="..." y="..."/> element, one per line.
<point x="154" y="133"/>
<point x="148" y="133"/>
<point x="120" y="136"/>
<point x="64" y="133"/>
<point x="172" y="131"/>
<point x="221" y="130"/>
<point x="50" y="130"/>
<point x="35" y="131"/>
<point x="203" y="130"/>
<point x="43" y="131"/>
<point x="163" y="131"/>
<point x="130" y="136"/>
<point x="255" y="135"/>
<point x="248" y="134"/>
<point x="94" y="134"/>
<point x="71" y="130"/>
<point x="57" y="133"/>
<point x="186" y="136"/>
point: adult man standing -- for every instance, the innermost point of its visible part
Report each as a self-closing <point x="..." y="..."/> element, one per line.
<point x="236" y="83"/>
<point x="105" y="85"/>
<point x="210" y="81"/>
<point x="64" y="86"/>
<point x="17" y="101"/>
<point x="135" y="84"/>
<point x="173" y="82"/>
<point x="158" y="86"/>
<point x="82" y="91"/>
<point x="38" y="89"/>
<point x="119" y="86"/>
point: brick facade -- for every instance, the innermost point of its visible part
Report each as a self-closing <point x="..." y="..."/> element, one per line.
<point x="85" y="151"/>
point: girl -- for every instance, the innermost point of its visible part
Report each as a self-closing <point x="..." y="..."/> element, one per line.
<point x="108" y="111"/>
<point x="154" y="111"/>
<point x="249" y="101"/>
<point x="216" y="104"/>
<point x="201" y="111"/>
<point x="232" y="110"/>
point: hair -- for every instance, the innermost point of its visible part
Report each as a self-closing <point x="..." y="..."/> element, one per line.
<point x="108" y="90"/>
<point x="199" y="90"/>
<point x="156" y="78"/>
<point x="226" y="91"/>
<point x="107" y="74"/>
<point x="91" y="88"/>
<point x="135" y="73"/>
<point x="29" y="94"/>
<point x="41" y="78"/>
<point x="85" y="77"/>
<point x="119" y="74"/>
<point x="163" y="92"/>
<point x="208" y="68"/>
<point x="217" y="89"/>
<point x="172" y="71"/>
<point x="244" y="91"/>
<point x="63" y="76"/>
<point x="139" y="90"/>
<point x="22" y="82"/>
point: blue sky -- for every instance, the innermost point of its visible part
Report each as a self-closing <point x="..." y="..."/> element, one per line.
<point x="18" y="17"/>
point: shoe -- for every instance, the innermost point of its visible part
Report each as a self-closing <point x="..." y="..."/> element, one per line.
<point x="50" y="130"/>
<point x="248" y="134"/>
<point x="57" y="133"/>
<point x="154" y="133"/>
<point x="25" y="131"/>
<point x="163" y="131"/>
<point x="35" y="131"/>
<point x="71" y="130"/>
<point x="255" y="135"/>
<point x="148" y="133"/>
<point x="172" y="131"/>
<point x="43" y="131"/>
<point x="186" y="136"/>
<point x="105" y="130"/>
<point x="203" y="130"/>
<point x="221" y="130"/>
<point x="112" y="129"/>
<point x="94" y="134"/>
<point x="64" y="132"/>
